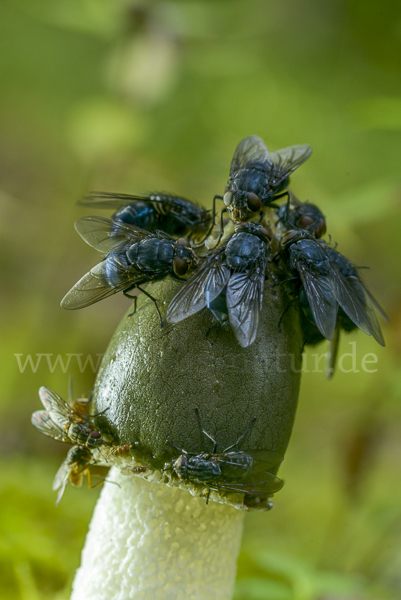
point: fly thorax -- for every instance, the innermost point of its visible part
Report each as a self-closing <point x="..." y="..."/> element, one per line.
<point x="243" y="250"/>
<point x="154" y="255"/>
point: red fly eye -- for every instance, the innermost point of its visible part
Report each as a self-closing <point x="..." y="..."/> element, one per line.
<point x="305" y="221"/>
<point x="322" y="227"/>
<point x="254" y="202"/>
<point x="180" y="266"/>
<point x="265" y="232"/>
<point x="289" y="236"/>
<point x="95" y="435"/>
<point x="183" y="242"/>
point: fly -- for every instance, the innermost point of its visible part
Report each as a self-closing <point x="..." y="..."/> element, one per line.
<point x="330" y="288"/>
<point x="234" y="471"/>
<point x="236" y="269"/>
<point x="64" y="422"/>
<point x="176" y="216"/>
<point x="133" y="257"/>
<point x="258" y="177"/>
<point x="302" y="215"/>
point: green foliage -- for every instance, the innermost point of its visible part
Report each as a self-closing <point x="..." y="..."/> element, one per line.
<point x="131" y="97"/>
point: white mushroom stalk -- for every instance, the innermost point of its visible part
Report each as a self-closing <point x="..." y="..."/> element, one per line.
<point x="153" y="541"/>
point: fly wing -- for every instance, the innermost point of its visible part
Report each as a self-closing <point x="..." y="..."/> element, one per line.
<point x="241" y="466"/>
<point x="206" y="283"/>
<point x="93" y="287"/>
<point x="57" y="408"/>
<point x="262" y="484"/>
<point x="45" y="424"/>
<point x="352" y="297"/>
<point x="289" y="159"/>
<point x="322" y="301"/>
<point x="111" y="200"/>
<point x="114" y="201"/>
<point x="249" y="149"/>
<point x="61" y="480"/>
<point x="244" y="302"/>
<point x="106" y="235"/>
<point x="264" y="459"/>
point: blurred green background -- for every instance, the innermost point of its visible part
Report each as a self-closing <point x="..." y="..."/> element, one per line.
<point x="128" y="96"/>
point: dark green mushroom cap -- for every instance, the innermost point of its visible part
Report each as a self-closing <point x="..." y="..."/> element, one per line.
<point x="151" y="380"/>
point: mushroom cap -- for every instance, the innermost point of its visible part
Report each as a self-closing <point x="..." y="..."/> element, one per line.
<point x="152" y="379"/>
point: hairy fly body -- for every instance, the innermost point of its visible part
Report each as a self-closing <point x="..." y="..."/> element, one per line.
<point x="302" y="215"/>
<point x="330" y="289"/>
<point x="259" y="177"/>
<point x="133" y="257"/>
<point x="236" y="269"/>
<point x="65" y="423"/>
<point x="234" y="471"/>
<point x="172" y="214"/>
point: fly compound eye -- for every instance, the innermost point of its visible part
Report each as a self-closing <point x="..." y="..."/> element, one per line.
<point x="321" y="227"/>
<point x="183" y="242"/>
<point x="289" y="236"/>
<point x="180" y="466"/>
<point x="265" y="232"/>
<point x="228" y="198"/>
<point x="305" y="221"/>
<point x="180" y="266"/>
<point x="254" y="203"/>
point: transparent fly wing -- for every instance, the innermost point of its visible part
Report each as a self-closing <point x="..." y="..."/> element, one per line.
<point x="289" y="159"/>
<point x="357" y="305"/>
<point x="249" y="149"/>
<point x="61" y="480"/>
<point x="115" y="201"/>
<point x="93" y="286"/>
<point x="58" y="409"/>
<point x="236" y="466"/>
<point x="111" y="200"/>
<point x="44" y="423"/>
<point x="245" y="302"/>
<point x="106" y="235"/>
<point x="322" y="302"/>
<point x="262" y="460"/>
<point x="263" y="485"/>
<point x="206" y="283"/>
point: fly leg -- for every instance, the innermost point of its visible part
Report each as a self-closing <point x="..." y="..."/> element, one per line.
<point x="134" y="298"/>
<point x="125" y="292"/>
<point x="213" y="221"/>
<point x="284" y="312"/>
<point x="154" y="302"/>
<point x="206" y="434"/>
<point x="241" y="437"/>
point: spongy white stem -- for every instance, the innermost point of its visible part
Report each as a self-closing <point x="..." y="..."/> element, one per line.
<point x="149" y="541"/>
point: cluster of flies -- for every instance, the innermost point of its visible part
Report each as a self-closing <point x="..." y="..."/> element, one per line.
<point x="232" y="471"/>
<point x="149" y="237"/>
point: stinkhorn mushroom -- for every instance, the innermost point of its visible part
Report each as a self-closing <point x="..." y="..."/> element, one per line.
<point x="153" y="535"/>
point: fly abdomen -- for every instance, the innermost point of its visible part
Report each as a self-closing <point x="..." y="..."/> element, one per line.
<point x="111" y="268"/>
<point x="141" y="214"/>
